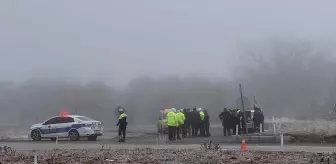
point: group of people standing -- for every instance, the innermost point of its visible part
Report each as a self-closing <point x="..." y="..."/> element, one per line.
<point x="188" y="122"/>
<point x="231" y="118"/>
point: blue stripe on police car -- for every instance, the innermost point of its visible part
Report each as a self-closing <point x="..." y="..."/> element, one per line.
<point x="60" y="130"/>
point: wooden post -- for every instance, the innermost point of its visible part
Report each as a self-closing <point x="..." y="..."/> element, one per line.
<point x="242" y="100"/>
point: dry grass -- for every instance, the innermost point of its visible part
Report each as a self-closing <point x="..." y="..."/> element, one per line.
<point x="156" y="156"/>
<point x="318" y="130"/>
<point x="318" y="126"/>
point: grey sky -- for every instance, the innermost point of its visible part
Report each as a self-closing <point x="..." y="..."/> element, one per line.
<point x="119" y="40"/>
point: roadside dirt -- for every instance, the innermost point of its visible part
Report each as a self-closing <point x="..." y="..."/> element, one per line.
<point x="171" y="156"/>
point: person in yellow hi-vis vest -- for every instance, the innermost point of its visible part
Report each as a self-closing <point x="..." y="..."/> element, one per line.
<point x="171" y="123"/>
<point x="202" y="128"/>
<point x="176" y="124"/>
<point x="180" y="120"/>
<point x="122" y="123"/>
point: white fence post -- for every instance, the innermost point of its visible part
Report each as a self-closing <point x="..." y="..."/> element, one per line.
<point x="237" y="129"/>
<point x="35" y="157"/>
<point x="260" y="128"/>
<point x="281" y="140"/>
<point x="274" y="128"/>
<point x="56" y="139"/>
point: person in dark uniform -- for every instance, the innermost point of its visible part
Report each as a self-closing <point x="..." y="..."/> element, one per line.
<point x="201" y="122"/>
<point x="195" y="121"/>
<point x="122" y="123"/>
<point x="225" y="118"/>
<point x="207" y="123"/>
<point x="189" y="122"/>
<point x="242" y="121"/>
<point x="258" y="119"/>
<point x="186" y="123"/>
<point x="235" y="120"/>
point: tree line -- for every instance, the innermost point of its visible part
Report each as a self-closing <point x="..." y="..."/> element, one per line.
<point x="288" y="78"/>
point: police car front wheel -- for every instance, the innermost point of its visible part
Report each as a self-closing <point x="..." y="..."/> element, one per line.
<point x="74" y="135"/>
<point x="36" y="135"/>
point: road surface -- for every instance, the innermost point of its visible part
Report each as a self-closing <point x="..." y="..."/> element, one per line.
<point x="28" y="146"/>
<point x="146" y="136"/>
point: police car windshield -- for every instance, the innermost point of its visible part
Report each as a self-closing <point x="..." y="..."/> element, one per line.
<point x="83" y="118"/>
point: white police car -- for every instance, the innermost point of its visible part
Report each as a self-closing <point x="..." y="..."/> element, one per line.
<point x="69" y="126"/>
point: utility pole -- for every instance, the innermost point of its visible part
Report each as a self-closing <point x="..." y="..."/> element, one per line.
<point x="242" y="100"/>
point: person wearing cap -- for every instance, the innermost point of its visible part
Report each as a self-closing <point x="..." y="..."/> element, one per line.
<point x="171" y="123"/>
<point x="188" y="122"/>
<point x="226" y="119"/>
<point x="122" y="123"/>
<point x="258" y="118"/>
<point x="195" y="121"/>
<point x="186" y="125"/>
<point x="242" y="121"/>
<point x="201" y="123"/>
<point x="206" y="123"/>
<point x="176" y="124"/>
<point x="235" y="120"/>
<point x="180" y="120"/>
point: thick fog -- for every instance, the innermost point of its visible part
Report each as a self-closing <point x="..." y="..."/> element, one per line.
<point x="90" y="57"/>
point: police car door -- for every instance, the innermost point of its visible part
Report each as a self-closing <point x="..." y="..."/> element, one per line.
<point x="50" y="127"/>
<point x="64" y="126"/>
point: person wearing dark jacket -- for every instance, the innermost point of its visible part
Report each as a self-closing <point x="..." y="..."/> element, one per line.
<point x="201" y="122"/>
<point x="195" y="122"/>
<point x="242" y="122"/>
<point x="207" y="123"/>
<point x="225" y="118"/>
<point x="122" y="123"/>
<point x="186" y="125"/>
<point x="236" y="121"/>
<point x="258" y="119"/>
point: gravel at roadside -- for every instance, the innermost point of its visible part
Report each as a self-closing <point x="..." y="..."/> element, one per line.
<point x="149" y="155"/>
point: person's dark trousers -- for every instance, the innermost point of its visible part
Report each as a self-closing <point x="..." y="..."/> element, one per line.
<point x="184" y="131"/>
<point x="122" y="133"/>
<point x="257" y="124"/>
<point x="187" y="127"/>
<point x="174" y="133"/>
<point x="178" y="128"/>
<point x="257" y="127"/>
<point x="171" y="133"/>
<point x="193" y="129"/>
<point x="197" y="128"/>
<point x="201" y="129"/>
<point x="234" y="129"/>
<point x="207" y="129"/>
<point x="225" y="130"/>
<point x="244" y="128"/>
